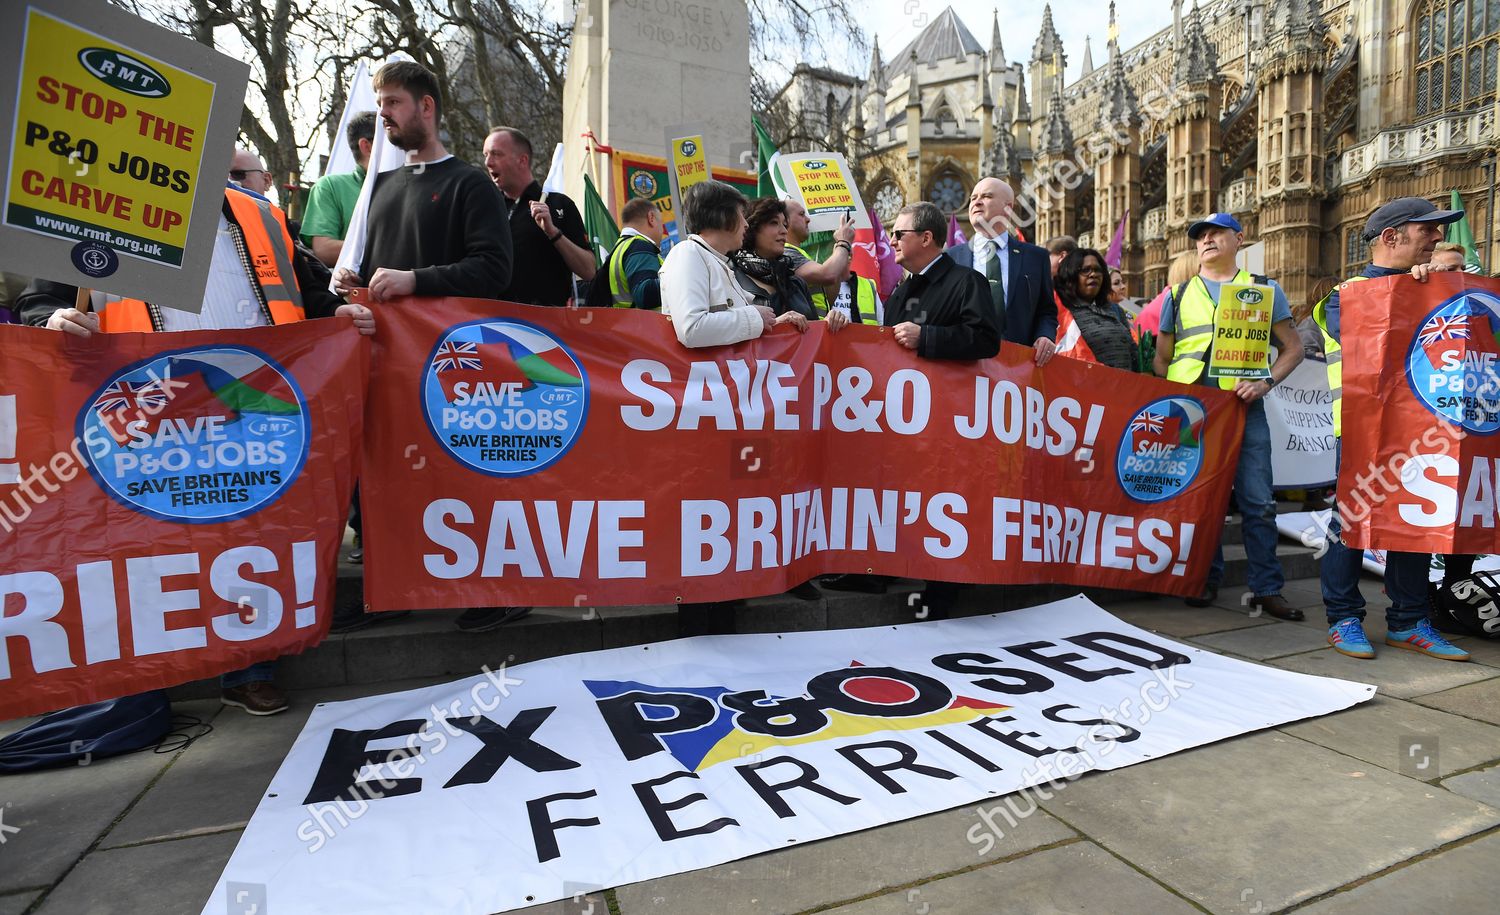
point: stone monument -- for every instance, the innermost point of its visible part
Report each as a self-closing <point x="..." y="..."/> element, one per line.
<point x="639" y="66"/>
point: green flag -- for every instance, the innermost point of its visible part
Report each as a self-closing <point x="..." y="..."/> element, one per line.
<point x="1459" y="233"/>
<point x="765" y="154"/>
<point x="597" y="222"/>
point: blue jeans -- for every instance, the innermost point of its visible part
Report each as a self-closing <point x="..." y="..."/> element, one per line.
<point x="1340" y="568"/>
<point x="1252" y="490"/>
<point x="264" y="672"/>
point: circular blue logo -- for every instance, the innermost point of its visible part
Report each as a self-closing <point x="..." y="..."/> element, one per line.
<point x="643" y="184"/>
<point x="689" y="147"/>
<point x="503" y="397"/>
<point x="1162" y="449"/>
<point x="95" y="259"/>
<point x="1453" y="364"/>
<point x="198" y="436"/>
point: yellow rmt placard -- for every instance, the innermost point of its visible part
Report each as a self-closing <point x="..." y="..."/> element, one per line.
<point x="689" y="162"/>
<point x="1242" y="332"/>
<point x="107" y="144"/>
<point x="824" y="187"/>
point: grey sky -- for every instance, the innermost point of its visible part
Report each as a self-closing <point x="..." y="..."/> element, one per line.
<point x="896" y="22"/>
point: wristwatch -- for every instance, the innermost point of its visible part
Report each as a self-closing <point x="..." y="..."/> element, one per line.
<point x="1270" y="382"/>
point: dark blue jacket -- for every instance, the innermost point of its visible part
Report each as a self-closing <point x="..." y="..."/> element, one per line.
<point x="1030" y="310"/>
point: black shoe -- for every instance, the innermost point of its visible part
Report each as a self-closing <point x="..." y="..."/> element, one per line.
<point x="354" y="620"/>
<point x="865" y="584"/>
<point x="357" y="556"/>
<point x="1209" y="595"/>
<point x="483" y="619"/>
<point x="805" y="591"/>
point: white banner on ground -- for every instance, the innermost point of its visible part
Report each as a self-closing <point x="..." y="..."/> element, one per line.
<point x="594" y="770"/>
<point x="1311" y="528"/>
<point x="1300" y="413"/>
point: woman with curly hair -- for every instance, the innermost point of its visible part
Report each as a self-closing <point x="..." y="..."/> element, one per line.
<point x="764" y="271"/>
<point x="1083" y="289"/>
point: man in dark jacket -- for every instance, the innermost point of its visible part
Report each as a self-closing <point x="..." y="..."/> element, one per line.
<point x="940" y="310"/>
<point x="1018" y="275"/>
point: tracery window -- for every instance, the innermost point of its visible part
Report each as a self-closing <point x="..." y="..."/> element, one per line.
<point x="1458" y="54"/>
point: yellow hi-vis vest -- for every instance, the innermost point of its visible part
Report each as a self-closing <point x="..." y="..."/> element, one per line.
<point x="1195" y="330"/>
<point x="620" y="294"/>
<point x="819" y="300"/>
<point x="1333" y="352"/>
<point x="862" y="301"/>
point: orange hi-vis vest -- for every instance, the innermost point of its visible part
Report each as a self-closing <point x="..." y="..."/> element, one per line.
<point x="1070" y="340"/>
<point x="267" y="253"/>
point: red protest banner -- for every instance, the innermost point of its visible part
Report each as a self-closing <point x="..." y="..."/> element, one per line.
<point x="171" y="505"/>
<point x="521" y="455"/>
<point x="1420" y="411"/>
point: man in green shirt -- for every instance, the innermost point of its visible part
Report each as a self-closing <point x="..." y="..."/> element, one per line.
<point x="330" y="206"/>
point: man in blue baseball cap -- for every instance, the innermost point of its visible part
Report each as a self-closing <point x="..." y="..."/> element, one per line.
<point x="1183" y="346"/>
<point x="1402" y="235"/>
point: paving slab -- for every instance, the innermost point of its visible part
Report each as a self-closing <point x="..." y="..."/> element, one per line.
<point x="1416" y="741"/>
<point x="589" y="904"/>
<point x="1397" y="672"/>
<point x="163" y="878"/>
<point x="1261" y="643"/>
<point x="844" y="867"/>
<point x="1174" y="618"/>
<point x="1477" y="700"/>
<point x="217" y="782"/>
<point x="16" y="904"/>
<point x="1264" y="821"/>
<point x="1482" y="785"/>
<point x="1461" y="879"/>
<point x="60" y="812"/>
<point x="1078" y="877"/>
<point x="1483" y="651"/>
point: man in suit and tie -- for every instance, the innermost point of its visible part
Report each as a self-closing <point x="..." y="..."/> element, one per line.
<point x="1019" y="275"/>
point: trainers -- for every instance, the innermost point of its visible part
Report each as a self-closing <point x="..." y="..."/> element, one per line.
<point x="260" y="698"/>
<point x="1424" y="639"/>
<point x="483" y="619"/>
<point x="1348" y="637"/>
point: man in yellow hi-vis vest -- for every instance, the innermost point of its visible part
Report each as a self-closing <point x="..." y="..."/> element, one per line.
<point x="1182" y="354"/>
<point x="628" y="278"/>
<point x="1401" y="235"/>
<point x="817" y="276"/>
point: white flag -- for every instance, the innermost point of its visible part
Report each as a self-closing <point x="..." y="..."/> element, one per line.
<point x="382" y="151"/>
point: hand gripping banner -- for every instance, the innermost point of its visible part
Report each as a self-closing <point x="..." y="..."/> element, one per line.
<point x="171" y="505"/>
<point x="522" y="455"/>
<point x="1421" y="410"/>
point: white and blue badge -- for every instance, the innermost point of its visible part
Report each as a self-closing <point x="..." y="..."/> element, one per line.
<point x="1162" y="449"/>
<point x="1453" y="363"/>
<point x="197" y="436"/>
<point x="504" y="397"/>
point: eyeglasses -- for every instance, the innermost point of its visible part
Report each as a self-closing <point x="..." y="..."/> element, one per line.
<point x="238" y="174"/>
<point x="897" y="233"/>
<point x="1091" y="271"/>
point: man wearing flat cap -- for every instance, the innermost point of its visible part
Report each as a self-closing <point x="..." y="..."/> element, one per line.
<point x="1182" y="354"/>
<point x="1401" y="235"/>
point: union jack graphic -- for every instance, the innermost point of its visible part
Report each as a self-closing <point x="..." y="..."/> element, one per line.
<point x="457" y="355"/>
<point x="1455" y="327"/>
<point x="125" y="395"/>
<point x="1147" y="422"/>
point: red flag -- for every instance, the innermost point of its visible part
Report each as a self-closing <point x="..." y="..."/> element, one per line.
<point x="875" y="259"/>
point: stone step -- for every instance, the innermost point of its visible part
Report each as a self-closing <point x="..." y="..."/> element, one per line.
<point x="427" y="644"/>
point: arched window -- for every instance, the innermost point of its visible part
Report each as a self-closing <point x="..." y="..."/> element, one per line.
<point x="1458" y="49"/>
<point x="949" y="192"/>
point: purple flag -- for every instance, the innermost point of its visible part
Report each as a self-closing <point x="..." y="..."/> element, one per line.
<point x="955" y="234"/>
<point x="1116" y="252"/>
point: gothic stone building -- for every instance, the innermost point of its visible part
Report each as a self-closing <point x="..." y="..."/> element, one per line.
<point x="1298" y="116"/>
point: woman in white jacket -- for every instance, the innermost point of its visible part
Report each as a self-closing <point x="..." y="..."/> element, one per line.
<point x="698" y="289"/>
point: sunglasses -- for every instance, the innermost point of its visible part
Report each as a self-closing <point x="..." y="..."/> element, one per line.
<point x="897" y="233"/>
<point x="238" y="174"/>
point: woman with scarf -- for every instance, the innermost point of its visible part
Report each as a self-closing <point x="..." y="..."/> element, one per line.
<point x="766" y="274"/>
